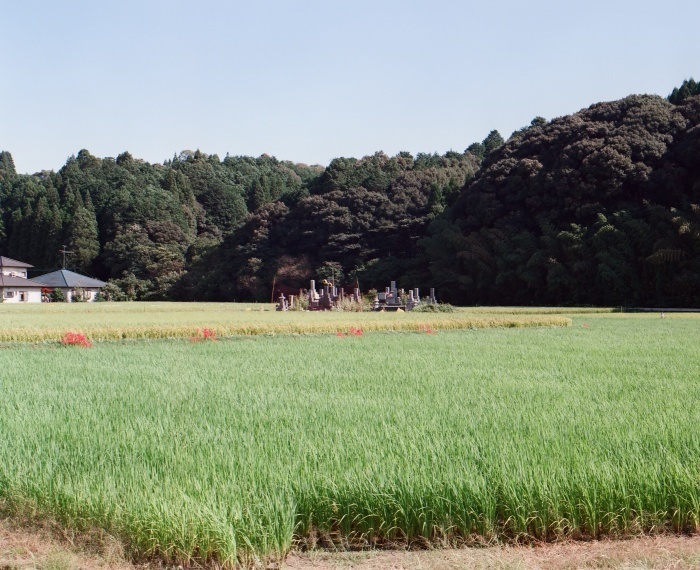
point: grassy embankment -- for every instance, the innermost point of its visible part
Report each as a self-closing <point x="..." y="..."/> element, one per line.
<point x="232" y="449"/>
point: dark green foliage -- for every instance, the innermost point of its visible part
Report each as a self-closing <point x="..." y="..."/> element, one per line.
<point x="537" y="122"/>
<point x="57" y="296"/>
<point x="483" y="149"/>
<point x="434" y="308"/>
<point x="142" y="225"/>
<point x="492" y="142"/>
<point x="600" y="208"/>
<point x="477" y="149"/>
<point x="7" y="165"/>
<point x="689" y="88"/>
<point x="363" y="217"/>
<point x="82" y="236"/>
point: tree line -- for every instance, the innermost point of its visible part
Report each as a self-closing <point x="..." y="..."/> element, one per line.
<point x="599" y="207"/>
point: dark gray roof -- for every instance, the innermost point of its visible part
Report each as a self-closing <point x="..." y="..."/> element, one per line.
<point x="8" y="281"/>
<point x="8" y="262"/>
<point x="65" y="278"/>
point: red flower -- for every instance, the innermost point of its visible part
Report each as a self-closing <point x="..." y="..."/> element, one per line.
<point x="204" y="334"/>
<point x="209" y="334"/>
<point x="75" y="339"/>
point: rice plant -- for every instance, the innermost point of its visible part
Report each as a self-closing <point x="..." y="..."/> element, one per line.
<point x="240" y="449"/>
<point x="115" y="321"/>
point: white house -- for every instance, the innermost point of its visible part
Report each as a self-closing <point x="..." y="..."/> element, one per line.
<point x="71" y="283"/>
<point x="13" y="268"/>
<point x="14" y="285"/>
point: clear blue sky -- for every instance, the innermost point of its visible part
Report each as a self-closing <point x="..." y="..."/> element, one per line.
<point x="312" y="80"/>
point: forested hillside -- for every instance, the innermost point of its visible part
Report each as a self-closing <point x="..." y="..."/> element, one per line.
<point x="599" y="207"/>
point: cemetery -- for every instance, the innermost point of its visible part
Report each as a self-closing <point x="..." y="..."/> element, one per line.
<point x="330" y="297"/>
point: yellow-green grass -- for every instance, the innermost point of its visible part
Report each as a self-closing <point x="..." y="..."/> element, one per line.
<point x="111" y="321"/>
<point x="228" y="450"/>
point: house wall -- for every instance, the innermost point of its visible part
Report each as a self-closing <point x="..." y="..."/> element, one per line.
<point x="93" y="293"/>
<point x="16" y="271"/>
<point x="90" y="293"/>
<point x="32" y="295"/>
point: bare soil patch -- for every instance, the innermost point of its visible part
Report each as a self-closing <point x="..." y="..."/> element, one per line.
<point x="49" y="548"/>
<point x="660" y="552"/>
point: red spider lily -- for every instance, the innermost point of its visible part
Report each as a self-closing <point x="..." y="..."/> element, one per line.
<point x="352" y="332"/>
<point x="426" y="329"/>
<point x="585" y="326"/>
<point x="75" y="339"/>
<point x="204" y="334"/>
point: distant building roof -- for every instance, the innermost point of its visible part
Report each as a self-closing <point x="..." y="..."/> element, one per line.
<point x="8" y="262"/>
<point x="65" y="278"/>
<point x="9" y="281"/>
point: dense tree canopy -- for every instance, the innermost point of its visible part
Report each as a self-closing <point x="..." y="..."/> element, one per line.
<point x="599" y="207"/>
<point x="689" y="88"/>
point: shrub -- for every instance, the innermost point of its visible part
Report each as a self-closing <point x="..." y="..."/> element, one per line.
<point x="112" y="292"/>
<point x="434" y="308"/>
<point x="78" y="295"/>
<point x="348" y="304"/>
<point x="57" y="296"/>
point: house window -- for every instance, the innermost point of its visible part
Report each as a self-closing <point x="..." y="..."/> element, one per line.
<point x="9" y="294"/>
<point x="22" y="295"/>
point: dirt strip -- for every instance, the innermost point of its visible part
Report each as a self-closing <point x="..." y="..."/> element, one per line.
<point x="663" y="552"/>
<point x="45" y="549"/>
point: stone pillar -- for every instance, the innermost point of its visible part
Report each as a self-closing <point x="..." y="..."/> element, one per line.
<point x="282" y="305"/>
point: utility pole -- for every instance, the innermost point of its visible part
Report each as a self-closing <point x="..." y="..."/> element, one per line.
<point x="64" y="251"/>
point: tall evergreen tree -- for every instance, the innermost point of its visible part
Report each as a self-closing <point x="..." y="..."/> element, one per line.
<point x="82" y="238"/>
<point x="7" y="164"/>
<point x="492" y="141"/>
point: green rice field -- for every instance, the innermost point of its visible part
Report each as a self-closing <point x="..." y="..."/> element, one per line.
<point x="244" y="447"/>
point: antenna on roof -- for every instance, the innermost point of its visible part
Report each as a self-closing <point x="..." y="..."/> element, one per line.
<point x="64" y="251"/>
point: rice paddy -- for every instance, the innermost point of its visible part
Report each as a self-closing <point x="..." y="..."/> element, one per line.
<point x="242" y="448"/>
<point x="113" y="321"/>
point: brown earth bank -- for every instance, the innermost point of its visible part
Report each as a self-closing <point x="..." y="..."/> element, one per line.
<point x="49" y="548"/>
